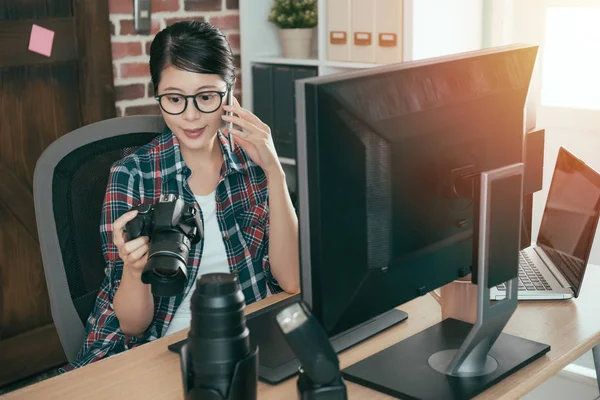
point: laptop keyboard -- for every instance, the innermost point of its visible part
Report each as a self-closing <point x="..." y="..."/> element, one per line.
<point x="530" y="278"/>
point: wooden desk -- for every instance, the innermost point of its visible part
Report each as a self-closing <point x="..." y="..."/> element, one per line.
<point x="571" y="327"/>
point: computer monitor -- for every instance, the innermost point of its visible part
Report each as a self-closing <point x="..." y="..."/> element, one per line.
<point x="380" y="153"/>
<point x="389" y="165"/>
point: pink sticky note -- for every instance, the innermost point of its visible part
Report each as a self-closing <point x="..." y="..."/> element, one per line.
<point x="41" y="40"/>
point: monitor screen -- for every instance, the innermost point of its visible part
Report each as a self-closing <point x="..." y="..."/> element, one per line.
<point x="386" y="161"/>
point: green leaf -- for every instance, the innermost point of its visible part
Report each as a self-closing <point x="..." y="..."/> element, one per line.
<point x="291" y="14"/>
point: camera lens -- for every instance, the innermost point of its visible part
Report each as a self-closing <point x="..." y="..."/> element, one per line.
<point x="218" y="336"/>
<point x="166" y="269"/>
<point x="166" y="274"/>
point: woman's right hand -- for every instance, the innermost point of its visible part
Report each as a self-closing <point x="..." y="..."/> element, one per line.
<point x="133" y="301"/>
<point x="134" y="253"/>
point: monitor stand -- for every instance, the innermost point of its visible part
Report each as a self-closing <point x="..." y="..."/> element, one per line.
<point x="455" y="359"/>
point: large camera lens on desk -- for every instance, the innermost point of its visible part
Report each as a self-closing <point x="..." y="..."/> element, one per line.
<point x="218" y="336"/>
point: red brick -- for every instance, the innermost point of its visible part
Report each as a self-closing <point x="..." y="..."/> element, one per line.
<point x="163" y="5"/>
<point x="234" y="41"/>
<point x="130" y="92"/>
<point x="150" y="90"/>
<point x="130" y="70"/>
<point x="233" y="4"/>
<point x="120" y="6"/>
<point x="203" y="5"/>
<point x="171" y="21"/>
<point x="226" y="22"/>
<point x="126" y="6"/>
<point x="128" y="29"/>
<point x="237" y="61"/>
<point x="120" y="50"/>
<point x="148" y="45"/>
<point x="150" y="109"/>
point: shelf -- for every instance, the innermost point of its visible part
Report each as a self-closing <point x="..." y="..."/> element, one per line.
<point x="285" y="61"/>
<point x="424" y="34"/>
<point x="287" y="161"/>
<point x="346" y="64"/>
<point x="259" y="59"/>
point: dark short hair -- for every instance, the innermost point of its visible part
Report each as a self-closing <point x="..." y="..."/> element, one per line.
<point x="192" y="46"/>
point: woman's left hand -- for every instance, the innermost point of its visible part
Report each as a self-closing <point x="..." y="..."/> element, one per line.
<point x="255" y="138"/>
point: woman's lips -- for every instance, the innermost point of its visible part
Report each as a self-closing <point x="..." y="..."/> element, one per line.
<point x="194" y="133"/>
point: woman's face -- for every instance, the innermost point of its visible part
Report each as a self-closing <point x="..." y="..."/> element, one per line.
<point x="194" y="129"/>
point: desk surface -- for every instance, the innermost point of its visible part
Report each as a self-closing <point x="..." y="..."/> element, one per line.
<point x="571" y="327"/>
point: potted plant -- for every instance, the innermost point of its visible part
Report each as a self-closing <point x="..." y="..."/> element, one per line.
<point x="296" y="20"/>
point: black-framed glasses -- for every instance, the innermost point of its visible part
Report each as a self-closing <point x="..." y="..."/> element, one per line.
<point x="206" y="102"/>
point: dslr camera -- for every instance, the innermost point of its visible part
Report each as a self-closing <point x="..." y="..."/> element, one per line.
<point x="173" y="226"/>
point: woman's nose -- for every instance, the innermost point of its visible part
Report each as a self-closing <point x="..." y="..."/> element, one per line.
<point x="191" y="113"/>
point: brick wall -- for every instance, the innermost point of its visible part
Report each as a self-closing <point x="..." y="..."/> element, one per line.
<point x="130" y="51"/>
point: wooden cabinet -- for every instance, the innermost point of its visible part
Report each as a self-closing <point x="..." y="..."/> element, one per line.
<point x="41" y="99"/>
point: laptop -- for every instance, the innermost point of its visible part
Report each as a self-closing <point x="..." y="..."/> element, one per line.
<point x="554" y="267"/>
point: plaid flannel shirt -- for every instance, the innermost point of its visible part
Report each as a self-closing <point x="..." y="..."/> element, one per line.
<point x="143" y="177"/>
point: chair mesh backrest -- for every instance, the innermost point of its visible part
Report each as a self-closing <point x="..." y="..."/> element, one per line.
<point x="78" y="189"/>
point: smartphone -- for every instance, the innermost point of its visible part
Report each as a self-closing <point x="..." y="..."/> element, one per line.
<point x="230" y="124"/>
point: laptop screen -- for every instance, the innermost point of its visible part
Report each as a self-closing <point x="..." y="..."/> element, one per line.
<point x="571" y="216"/>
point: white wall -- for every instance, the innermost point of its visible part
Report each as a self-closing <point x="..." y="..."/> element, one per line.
<point x="445" y="27"/>
<point x="577" y="130"/>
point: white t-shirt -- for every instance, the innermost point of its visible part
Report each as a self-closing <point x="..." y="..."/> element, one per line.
<point x="214" y="259"/>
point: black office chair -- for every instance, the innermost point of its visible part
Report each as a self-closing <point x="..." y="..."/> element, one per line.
<point x="70" y="181"/>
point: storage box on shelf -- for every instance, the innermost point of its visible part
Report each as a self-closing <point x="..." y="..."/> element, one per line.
<point x="375" y="31"/>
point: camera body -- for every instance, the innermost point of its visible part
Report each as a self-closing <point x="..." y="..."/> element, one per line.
<point x="173" y="226"/>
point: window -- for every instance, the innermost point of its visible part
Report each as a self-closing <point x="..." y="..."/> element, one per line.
<point x="571" y="60"/>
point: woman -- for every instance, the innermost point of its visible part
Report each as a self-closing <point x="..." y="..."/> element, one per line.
<point x="250" y="227"/>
